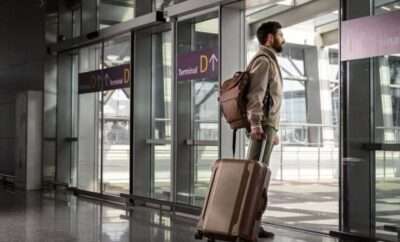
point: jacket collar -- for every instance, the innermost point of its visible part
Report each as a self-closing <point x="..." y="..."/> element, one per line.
<point x="272" y="53"/>
<point x="268" y="50"/>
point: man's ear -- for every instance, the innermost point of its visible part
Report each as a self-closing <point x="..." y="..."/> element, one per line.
<point x="269" y="38"/>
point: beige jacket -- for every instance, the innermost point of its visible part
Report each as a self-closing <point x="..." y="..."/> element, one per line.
<point x="263" y="71"/>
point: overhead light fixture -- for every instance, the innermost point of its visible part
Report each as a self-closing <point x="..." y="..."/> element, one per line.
<point x="386" y="8"/>
<point x="126" y="59"/>
<point x="208" y="26"/>
<point x="397" y="6"/>
<point x="112" y="57"/>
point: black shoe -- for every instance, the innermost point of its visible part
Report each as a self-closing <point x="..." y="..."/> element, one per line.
<point x="264" y="234"/>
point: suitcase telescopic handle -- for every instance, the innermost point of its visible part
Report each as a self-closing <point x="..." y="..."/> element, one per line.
<point x="262" y="153"/>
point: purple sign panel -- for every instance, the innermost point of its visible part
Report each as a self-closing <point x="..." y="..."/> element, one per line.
<point x="106" y="79"/>
<point x="370" y="36"/>
<point x="117" y="77"/>
<point x="198" y="65"/>
<point x="90" y="82"/>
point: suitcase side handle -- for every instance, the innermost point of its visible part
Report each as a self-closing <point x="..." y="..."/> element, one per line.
<point x="239" y="202"/>
<point x="205" y="205"/>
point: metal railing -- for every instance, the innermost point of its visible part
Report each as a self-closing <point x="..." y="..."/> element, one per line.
<point x="387" y="160"/>
<point x="303" y="141"/>
<point x="390" y="135"/>
<point x="306" y="151"/>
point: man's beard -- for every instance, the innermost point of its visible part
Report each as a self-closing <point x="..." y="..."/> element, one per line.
<point x="277" y="47"/>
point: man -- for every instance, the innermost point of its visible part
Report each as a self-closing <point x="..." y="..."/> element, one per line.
<point x="263" y="110"/>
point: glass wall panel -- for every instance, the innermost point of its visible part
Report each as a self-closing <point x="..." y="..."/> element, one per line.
<point x="50" y="103"/>
<point x="197" y="106"/>
<point x="74" y="118"/>
<point x="116" y="121"/>
<point x="64" y="117"/>
<point x="69" y="15"/>
<point x="387" y="99"/>
<point x="8" y="126"/>
<point x="387" y="131"/>
<point x="161" y="114"/>
<point x="89" y="125"/>
<point x="49" y="134"/>
<point x="76" y="22"/>
<point x="115" y="11"/>
<point x="90" y="16"/>
<point x="304" y="190"/>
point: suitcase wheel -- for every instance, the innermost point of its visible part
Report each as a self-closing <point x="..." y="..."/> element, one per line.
<point x="198" y="235"/>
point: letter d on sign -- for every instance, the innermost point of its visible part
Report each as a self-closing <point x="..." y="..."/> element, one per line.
<point x="203" y="63"/>
<point x="127" y="75"/>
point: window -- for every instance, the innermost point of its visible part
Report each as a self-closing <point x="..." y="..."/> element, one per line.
<point x="308" y="155"/>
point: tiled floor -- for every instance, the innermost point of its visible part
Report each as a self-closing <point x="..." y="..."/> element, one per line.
<point x="59" y="217"/>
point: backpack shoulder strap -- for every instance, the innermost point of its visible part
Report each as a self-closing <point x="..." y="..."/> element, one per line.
<point x="234" y="142"/>
<point x="254" y="59"/>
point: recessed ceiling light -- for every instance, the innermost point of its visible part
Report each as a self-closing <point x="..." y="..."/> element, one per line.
<point x="396" y="6"/>
<point x="285" y="2"/>
<point x="386" y="8"/>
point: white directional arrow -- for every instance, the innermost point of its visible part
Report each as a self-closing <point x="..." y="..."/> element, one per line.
<point x="213" y="61"/>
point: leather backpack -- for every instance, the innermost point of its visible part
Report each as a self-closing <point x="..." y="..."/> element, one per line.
<point x="233" y="100"/>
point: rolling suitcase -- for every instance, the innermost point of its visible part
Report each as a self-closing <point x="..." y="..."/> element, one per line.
<point x="235" y="201"/>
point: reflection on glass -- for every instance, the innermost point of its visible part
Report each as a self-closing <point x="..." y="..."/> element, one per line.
<point x="161" y="114"/>
<point x="304" y="186"/>
<point x="115" y="11"/>
<point x="116" y="121"/>
<point x="114" y="228"/>
<point x="89" y="214"/>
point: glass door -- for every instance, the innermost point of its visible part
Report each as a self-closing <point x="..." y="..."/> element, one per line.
<point x="197" y="106"/>
<point x="104" y="116"/>
<point x="116" y="119"/>
<point x="387" y="140"/>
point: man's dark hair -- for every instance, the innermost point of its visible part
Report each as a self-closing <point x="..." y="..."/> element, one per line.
<point x="270" y="27"/>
